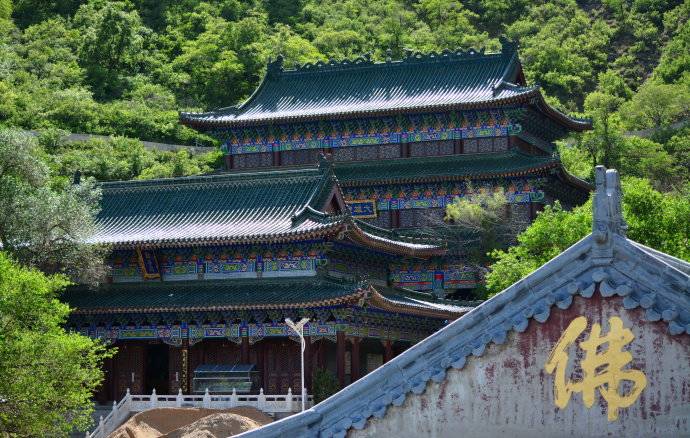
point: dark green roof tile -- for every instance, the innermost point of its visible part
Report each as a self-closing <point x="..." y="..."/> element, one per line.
<point x="360" y="87"/>
<point x="511" y="163"/>
<point x="209" y="295"/>
<point x="247" y="207"/>
<point x="228" y="207"/>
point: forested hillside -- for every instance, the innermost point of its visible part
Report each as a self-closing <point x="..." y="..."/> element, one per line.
<point x="125" y="68"/>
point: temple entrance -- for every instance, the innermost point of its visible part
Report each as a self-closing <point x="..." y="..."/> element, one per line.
<point x="281" y="366"/>
<point x="156" y="367"/>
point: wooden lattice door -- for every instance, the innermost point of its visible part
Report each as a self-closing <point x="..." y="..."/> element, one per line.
<point x="282" y="367"/>
<point x="130" y="369"/>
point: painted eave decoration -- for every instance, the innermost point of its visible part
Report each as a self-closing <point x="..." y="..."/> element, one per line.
<point x="604" y="264"/>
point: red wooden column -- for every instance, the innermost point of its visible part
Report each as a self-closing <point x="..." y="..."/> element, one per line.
<point x="388" y="351"/>
<point x="263" y="363"/>
<point x="354" y="370"/>
<point x="113" y="380"/>
<point x="244" y="352"/>
<point x="308" y="366"/>
<point x="185" y="378"/>
<point x="340" y="357"/>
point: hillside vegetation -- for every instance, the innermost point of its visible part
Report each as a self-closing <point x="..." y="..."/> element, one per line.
<point x="125" y="68"/>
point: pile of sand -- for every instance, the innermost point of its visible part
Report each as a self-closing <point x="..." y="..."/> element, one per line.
<point x="191" y="423"/>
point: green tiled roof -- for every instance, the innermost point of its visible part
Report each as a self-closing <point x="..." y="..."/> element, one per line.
<point x="421" y="300"/>
<point x="360" y="87"/>
<point x="198" y="295"/>
<point x="245" y="294"/>
<point x="229" y="207"/>
<point x="510" y="163"/>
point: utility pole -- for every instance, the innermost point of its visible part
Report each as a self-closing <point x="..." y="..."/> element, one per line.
<point x="299" y="329"/>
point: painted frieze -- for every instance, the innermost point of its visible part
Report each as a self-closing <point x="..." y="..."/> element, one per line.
<point x="429" y="277"/>
<point x="402" y="128"/>
<point x="219" y="262"/>
<point x="366" y="202"/>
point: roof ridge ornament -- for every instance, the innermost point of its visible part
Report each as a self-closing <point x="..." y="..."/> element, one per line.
<point x="365" y="59"/>
<point x="607" y="211"/>
<point x="508" y="46"/>
<point x="275" y="66"/>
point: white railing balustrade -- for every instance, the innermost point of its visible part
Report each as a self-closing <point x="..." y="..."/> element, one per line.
<point x="270" y="404"/>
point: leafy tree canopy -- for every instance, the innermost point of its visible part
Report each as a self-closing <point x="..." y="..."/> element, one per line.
<point x="45" y="222"/>
<point x="49" y="374"/>
<point x="654" y="219"/>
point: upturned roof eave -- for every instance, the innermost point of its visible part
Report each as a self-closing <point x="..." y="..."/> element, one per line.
<point x="458" y="177"/>
<point x="353" y="297"/>
<point x="380" y="301"/>
<point x="578" y="125"/>
<point x="324" y="232"/>
<point x="392" y="246"/>
<point x="193" y="121"/>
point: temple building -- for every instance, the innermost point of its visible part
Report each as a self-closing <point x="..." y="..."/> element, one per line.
<point x="406" y="138"/>
<point x="205" y="270"/>
<point x="335" y="173"/>
<point x="594" y="343"/>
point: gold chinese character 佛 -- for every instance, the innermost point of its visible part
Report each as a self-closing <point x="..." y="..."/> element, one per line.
<point x="602" y="366"/>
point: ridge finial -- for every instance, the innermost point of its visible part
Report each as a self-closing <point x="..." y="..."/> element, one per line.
<point x="607" y="209"/>
<point x="507" y="46"/>
<point x="277" y="65"/>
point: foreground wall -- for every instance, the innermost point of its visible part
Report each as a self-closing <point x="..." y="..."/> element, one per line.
<point x="508" y="391"/>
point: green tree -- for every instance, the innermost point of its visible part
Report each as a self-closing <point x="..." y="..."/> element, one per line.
<point x="656" y="106"/>
<point x="112" y="46"/>
<point x="325" y="385"/>
<point x="28" y="12"/>
<point x="562" y="48"/>
<point x="45" y="224"/>
<point x="479" y="223"/>
<point x="224" y="62"/>
<point x="5" y="9"/>
<point x="452" y="25"/>
<point x="603" y="143"/>
<point x="674" y="63"/>
<point x="49" y="374"/>
<point x="654" y="219"/>
<point x="355" y="27"/>
<point x="295" y="49"/>
<point x="644" y="158"/>
<point x="678" y="146"/>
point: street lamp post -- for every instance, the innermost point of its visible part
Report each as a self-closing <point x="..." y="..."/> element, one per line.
<point x="299" y="329"/>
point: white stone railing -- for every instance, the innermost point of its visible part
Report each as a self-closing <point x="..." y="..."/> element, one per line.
<point x="270" y="404"/>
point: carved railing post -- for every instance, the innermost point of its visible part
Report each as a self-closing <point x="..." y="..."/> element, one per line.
<point x="154" y="399"/>
<point x="101" y="427"/>
<point x="206" y="403"/>
<point x="288" y="400"/>
<point x="179" y="398"/>
<point x="128" y="400"/>
<point x="233" y="398"/>
<point x="261" y="400"/>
